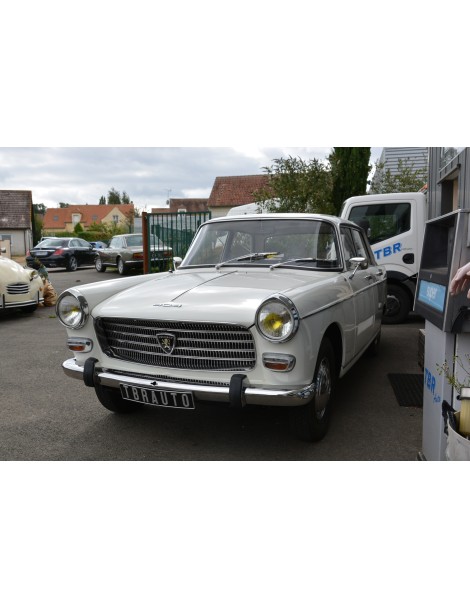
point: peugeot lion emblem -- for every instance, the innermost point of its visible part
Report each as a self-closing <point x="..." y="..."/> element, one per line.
<point x="167" y="342"/>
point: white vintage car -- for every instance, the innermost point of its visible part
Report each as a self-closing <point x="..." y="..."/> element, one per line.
<point x="264" y="309"/>
<point x="19" y="287"/>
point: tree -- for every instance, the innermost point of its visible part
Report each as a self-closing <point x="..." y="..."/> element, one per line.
<point x="407" y="179"/>
<point x="39" y="208"/>
<point x="102" y="200"/>
<point x="350" y="169"/>
<point x="296" y="185"/>
<point x="62" y="205"/>
<point x="114" y="198"/>
<point x="125" y="198"/>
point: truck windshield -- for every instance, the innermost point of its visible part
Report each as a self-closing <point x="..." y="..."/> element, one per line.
<point x="266" y="242"/>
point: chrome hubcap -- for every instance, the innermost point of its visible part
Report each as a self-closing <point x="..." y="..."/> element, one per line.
<point x="323" y="388"/>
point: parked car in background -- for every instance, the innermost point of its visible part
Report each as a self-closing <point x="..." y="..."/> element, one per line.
<point x="264" y="310"/>
<point x="98" y="245"/>
<point x="19" y="287"/>
<point x="126" y="252"/>
<point x="67" y="252"/>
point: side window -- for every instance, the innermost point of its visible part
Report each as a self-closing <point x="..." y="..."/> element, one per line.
<point x="382" y="221"/>
<point x="360" y="246"/>
<point x="348" y="244"/>
<point x="115" y="242"/>
<point x="74" y="243"/>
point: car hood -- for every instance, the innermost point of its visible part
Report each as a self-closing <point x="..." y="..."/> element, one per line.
<point x="225" y="296"/>
<point x="12" y="272"/>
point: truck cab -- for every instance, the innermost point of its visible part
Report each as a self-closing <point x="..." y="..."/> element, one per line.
<point x="394" y="224"/>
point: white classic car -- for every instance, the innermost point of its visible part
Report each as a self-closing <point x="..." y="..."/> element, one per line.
<point x="264" y="309"/>
<point x="19" y="287"/>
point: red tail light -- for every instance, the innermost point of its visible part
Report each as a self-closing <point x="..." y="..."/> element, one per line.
<point x="58" y="252"/>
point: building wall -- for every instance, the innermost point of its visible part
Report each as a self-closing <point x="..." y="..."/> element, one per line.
<point x="219" y="212"/>
<point x="449" y="180"/>
<point x="21" y="240"/>
<point x="390" y="158"/>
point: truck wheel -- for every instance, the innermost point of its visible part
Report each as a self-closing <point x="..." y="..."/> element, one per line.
<point x="113" y="401"/>
<point x="398" y="305"/>
<point x="99" y="266"/>
<point x="310" y="422"/>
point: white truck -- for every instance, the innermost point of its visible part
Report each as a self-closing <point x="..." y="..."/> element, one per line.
<point x="394" y="224"/>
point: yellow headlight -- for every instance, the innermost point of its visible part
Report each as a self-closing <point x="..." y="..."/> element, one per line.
<point x="277" y="319"/>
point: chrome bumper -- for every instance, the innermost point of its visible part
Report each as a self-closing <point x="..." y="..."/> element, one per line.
<point x="250" y="395"/>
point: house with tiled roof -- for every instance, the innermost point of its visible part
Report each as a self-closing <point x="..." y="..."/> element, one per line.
<point x="15" y="221"/>
<point x="65" y="219"/>
<point x="189" y="205"/>
<point x="231" y="191"/>
<point x="177" y="205"/>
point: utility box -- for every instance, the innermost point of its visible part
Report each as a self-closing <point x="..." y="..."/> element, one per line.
<point x="446" y="248"/>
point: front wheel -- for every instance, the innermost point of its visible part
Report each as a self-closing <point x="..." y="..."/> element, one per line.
<point x="113" y="401"/>
<point x="99" y="266"/>
<point x="310" y="422"/>
<point x="72" y="264"/>
<point x="398" y="305"/>
<point x="29" y="309"/>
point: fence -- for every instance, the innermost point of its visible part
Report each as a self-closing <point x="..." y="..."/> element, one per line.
<point x="173" y="230"/>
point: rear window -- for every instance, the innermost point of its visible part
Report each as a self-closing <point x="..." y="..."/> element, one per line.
<point x="53" y="243"/>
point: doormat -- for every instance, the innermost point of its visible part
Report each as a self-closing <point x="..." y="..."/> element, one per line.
<point x="408" y="389"/>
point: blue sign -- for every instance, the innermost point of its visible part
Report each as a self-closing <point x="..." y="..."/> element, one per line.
<point x="432" y="294"/>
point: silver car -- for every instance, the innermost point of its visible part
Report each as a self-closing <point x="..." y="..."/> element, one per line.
<point x="126" y="252"/>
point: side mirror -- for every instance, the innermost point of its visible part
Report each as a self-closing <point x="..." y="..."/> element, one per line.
<point x="354" y="264"/>
<point x="177" y="261"/>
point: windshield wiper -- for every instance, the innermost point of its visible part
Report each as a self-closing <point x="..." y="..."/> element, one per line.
<point x="291" y="261"/>
<point x="250" y="257"/>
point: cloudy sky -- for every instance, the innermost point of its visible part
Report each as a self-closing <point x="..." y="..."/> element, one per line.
<point x="148" y="175"/>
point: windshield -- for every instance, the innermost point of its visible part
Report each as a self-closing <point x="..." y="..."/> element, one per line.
<point x="266" y="242"/>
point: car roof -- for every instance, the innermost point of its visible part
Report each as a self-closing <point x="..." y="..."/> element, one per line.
<point x="281" y="216"/>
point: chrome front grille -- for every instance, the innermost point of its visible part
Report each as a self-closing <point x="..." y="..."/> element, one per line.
<point x="17" y="288"/>
<point x="181" y="345"/>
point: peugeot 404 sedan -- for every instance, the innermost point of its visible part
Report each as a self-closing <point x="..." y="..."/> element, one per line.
<point x="263" y="310"/>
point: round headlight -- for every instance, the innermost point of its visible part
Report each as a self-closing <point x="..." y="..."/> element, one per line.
<point x="72" y="310"/>
<point x="277" y="319"/>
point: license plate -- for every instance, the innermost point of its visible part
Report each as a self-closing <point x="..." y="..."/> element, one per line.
<point x="158" y="397"/>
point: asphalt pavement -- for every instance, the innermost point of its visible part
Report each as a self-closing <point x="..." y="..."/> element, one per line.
<point x="46" y="416"/>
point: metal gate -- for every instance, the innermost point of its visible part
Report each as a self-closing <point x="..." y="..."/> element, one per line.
<point x="173" y="230"/>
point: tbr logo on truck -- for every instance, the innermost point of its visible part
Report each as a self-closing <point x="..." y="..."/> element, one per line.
<point x="387" y="251"/>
